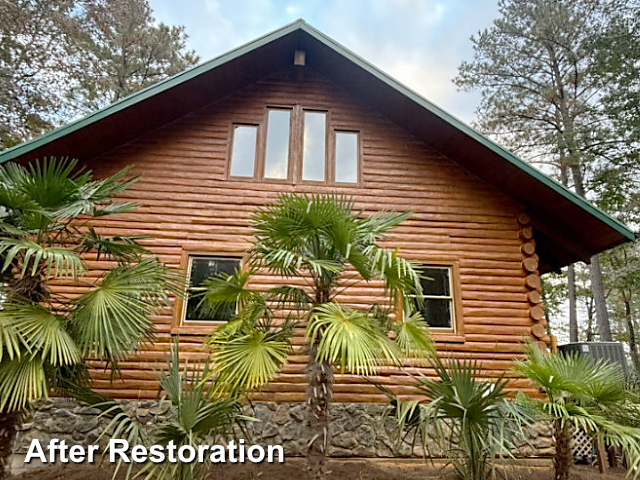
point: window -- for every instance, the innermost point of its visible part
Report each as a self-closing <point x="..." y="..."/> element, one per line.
<point x="438" y="306"/>
<point x="346" y="157"/>
<point x="201" y="268"/>
<point x="243" y="157"/>
<point x="314" y="146"/>
<point x="276" y="163"/>
<point x="295" y="144"/>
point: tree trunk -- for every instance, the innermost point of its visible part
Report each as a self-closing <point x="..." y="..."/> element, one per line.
<point x="597" y="287"/>
<point x="589" y="324"/>
<point x="563" y="458"/>
<point x="8" y="424"/>
<point x="601" y="454"/>
<point x="631" y="330"/>
<point x="571" y="277"/>
<point x="319" y="393"/>
<point x="595" y="273"/>
<point x="573" y="315"/>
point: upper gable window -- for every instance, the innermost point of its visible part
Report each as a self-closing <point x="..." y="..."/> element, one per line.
<point x="243" y="157"/>
<point x="314" y="154"/>
<point x="276" y="163"/>
<point x="297" y="145"/>
<point x="346" y="157"/>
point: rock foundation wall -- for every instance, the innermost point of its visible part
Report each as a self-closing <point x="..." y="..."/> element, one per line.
<point x="358" y="429"/>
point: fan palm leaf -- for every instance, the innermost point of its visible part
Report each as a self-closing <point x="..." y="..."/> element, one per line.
<point x="111" y="319"/>
<point x="40" y="332"/>
<point x="22" y="381"/>
<point x="54" y="261"/>
<point x="348" y="338"/>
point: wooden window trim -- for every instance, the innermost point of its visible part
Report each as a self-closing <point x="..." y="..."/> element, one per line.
<point x="455" y="334"/>
<point x="194" y="327"/>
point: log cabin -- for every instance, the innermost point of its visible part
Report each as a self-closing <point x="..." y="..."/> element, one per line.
<point x="294" y="111"/>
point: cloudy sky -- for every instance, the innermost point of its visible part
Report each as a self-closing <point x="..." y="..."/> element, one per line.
<point x="419" y="42"/>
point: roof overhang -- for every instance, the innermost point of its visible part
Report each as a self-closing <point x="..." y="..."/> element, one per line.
<point x="568" y="228"/>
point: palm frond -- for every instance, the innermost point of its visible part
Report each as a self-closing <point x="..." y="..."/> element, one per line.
<point x="349" y="339"/>
<point x="53" y="183"/>
<point x="121" y="249"/>
<point x="94" y="197"/>
<point x="11" y="341"/>
<point x="467" y="417"/>
<point x="225" y="290"/>
<point x="22" y="380"/>
<point x="40" y="332"/>
<point x="288" y="296"/>
<point x="113" y="318"/>
<point x="376" y="226"/>
<point x="413" y="336"/>
<point x="401" y="276"/>
<point x="249" y="358"/>
<point x="55" y="261"/>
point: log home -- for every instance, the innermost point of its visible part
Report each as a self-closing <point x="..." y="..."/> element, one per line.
<point x="295" y="111"/>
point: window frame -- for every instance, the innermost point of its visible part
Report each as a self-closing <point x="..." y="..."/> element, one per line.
<point x="198" y="327"/>
<point x="296" y="148"/>
<point x="455" y="333"/>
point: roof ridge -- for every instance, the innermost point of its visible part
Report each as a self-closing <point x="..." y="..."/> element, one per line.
<point x="301" y="24"/>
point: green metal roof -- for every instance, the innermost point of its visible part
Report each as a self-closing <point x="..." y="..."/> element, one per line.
<point x="301" y="25"/>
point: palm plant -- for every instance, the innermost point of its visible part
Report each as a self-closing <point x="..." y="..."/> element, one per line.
<point x="46" y="209"/>
<point x="194" y="419"/>
<point x="318" y="240"/>
<point x="588" y="395"/>
<point x="469" y="419"/>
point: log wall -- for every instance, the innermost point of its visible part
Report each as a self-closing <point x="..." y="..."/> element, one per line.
<point x="187" y="204"/>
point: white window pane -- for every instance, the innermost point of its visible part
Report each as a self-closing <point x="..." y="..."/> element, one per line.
<point x="243" y="155"/>
<point x="315" y="124"/>
<point x="346" y="157"/>
<point x="277" y="155"/>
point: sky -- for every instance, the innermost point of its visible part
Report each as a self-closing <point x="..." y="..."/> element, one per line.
<point x="419" y="42"/>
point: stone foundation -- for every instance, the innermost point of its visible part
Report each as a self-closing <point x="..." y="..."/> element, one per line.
<point x="358" y="429"/>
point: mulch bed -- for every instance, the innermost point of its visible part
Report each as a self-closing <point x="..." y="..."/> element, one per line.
<point x="293" y="469"/>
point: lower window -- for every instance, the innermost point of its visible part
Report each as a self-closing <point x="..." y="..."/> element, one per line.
<point x="437" y="308"/>
<point x="200" y="268"/>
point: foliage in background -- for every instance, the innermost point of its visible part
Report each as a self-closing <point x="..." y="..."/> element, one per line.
<point x="467" y="417"/>
<point x="63" y="58"/>
<point x="592" y="396"/>
<point x="121" y="37"/>
<point x="622" y="270"/>
<point x="319" y="242"/>
<point x="618" y="55"/>
<point x="548" y="77"/>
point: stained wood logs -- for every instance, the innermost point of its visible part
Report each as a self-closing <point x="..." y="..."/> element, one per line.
<point x="532" y="281"/>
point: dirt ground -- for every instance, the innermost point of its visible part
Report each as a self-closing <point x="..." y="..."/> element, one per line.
<point x="293" y="469"/>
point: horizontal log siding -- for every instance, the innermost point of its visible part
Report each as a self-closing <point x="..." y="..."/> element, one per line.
<point x="186" y="203"/>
